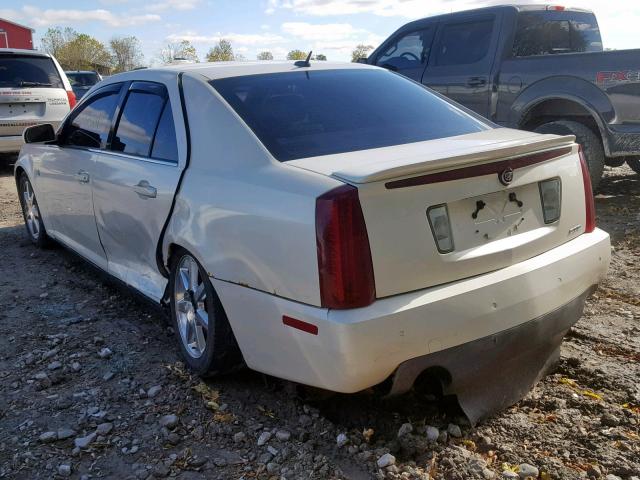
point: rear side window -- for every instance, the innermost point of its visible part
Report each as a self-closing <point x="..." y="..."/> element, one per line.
<point x="27" y="71"/>
<point x="137" y="125"/>
<point x="90" y="125"/>
<point x="409" y="51"/>
<point x="145" y="127"/>
<point x="313" y="113"/>
<point x="464" y="43"/>
<point x="164" y="144"/>
<point x="553" y="32"/>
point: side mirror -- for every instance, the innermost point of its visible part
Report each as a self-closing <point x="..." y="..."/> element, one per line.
<point x="362" y="60"/>
<point x="39" y="133"/>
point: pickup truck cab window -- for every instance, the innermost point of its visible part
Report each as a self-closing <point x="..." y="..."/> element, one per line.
<point x="553" y="32"/>
<point x="90" y="124"/>
<point x="464" y="43"/>
<point x="409" y="53"/>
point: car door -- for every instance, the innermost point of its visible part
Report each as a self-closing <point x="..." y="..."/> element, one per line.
<point x="64" y="173"/>
<point x="408" y="52"/>
<point x="462" y="60"/>
<point x="134" y="185"/>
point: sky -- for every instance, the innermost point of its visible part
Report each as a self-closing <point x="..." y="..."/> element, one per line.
<point x="331" y="27"/>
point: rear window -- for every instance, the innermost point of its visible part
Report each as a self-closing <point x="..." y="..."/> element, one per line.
<point x="82" y="79"/>
<point x="28" y="72"/>
<point x="555" y="32"/>
<point x="307" y="114"/>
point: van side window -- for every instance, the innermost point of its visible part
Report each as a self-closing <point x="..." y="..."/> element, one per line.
<point x="464" y="43"/>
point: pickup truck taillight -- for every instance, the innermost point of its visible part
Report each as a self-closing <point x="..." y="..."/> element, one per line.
<point x="590" y="221"/>
<point x="72" y="99"/>
<point x="344" y="255"/>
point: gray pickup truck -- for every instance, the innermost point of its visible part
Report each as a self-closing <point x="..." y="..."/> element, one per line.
<point x="538" y="68"/>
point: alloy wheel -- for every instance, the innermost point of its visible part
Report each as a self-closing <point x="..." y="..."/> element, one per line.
<point x="190" y="296"/>
<point x="30" y="209"/>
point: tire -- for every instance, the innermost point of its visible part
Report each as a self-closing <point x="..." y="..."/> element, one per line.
<point x="591" y="144"/>
<point x="31" y="213"/>
<point x="634" y="163"/>
<point x="203" y="332"/>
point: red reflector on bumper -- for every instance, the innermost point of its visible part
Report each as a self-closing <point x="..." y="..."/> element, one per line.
<point x="300" y="325"/>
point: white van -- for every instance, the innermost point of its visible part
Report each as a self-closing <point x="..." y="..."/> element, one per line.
<point x="33" y="89"/>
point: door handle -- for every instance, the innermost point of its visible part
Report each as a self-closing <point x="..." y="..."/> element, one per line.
<point x="145" y="190"/>
<point x="82" y="176"/>
<point x="476" y="82"/>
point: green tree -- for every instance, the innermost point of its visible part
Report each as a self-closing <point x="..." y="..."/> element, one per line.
<point x="266" y="55"/>
<point x="222" y="52"/>
<point x="321" y="57"/>
<point x="361" y="51"/>
<point x="297" y="55"/>
<point x="126" y="53"/>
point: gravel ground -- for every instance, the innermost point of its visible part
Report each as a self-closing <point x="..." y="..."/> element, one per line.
<point x="91" y="386"/>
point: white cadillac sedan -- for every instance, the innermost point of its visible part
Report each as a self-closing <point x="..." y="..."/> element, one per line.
<point x="332" y="224"/>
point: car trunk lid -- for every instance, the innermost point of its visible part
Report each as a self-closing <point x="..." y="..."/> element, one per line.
<point x="398" y="185"/>
<point x="23" y="107"/>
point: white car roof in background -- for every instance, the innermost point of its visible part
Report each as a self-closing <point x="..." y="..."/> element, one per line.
<point x="215" y="70"/>
<point x="21" y="51"/>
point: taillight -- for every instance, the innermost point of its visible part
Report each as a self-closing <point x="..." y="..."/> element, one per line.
<point x="344" y="256"/>
<point x="72" y="98"/>
<point x="590" y="221"/>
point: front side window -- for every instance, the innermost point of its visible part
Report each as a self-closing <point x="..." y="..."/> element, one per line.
<point x="553" y="32"/>
<point x="28" y="71"/>
<point x="409" y="51"/>
<point x="91" y="123"/>
<point x="464" y="43"/>
<point x="312" y="113"/>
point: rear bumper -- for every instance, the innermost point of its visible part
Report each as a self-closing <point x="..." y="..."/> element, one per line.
<point x="11" y="144"/>
<point x="359" y="348"/>
<point x="522" y="355"/>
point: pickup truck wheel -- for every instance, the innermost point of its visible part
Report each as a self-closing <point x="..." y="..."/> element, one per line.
<point x="31" y="213"/>
<point x="204" y="335"/>
<point x="634" y="163"/>
<point x="591" y="144"/>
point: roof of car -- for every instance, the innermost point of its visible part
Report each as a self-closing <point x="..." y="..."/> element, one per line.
<point x="215" y="70"/>
<point x="22" y="51"/>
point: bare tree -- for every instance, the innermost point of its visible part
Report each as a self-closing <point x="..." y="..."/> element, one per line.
<point x="297" y="55"/>
<point x="54" y="39"/>
<point x="181" y="50"/>
<point x="266" y="55"/>
<point x="126" y="52"/>
<point x="222" y="52"/>
<point x="361" y="51"/>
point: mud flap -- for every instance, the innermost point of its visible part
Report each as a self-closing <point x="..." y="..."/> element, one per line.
<point x="492" y="373"/>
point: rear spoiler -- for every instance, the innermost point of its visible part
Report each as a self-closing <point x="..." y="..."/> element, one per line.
<point x="456" y="159"/>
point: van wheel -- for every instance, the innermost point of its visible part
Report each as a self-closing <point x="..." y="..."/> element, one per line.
<point x="204" y="335"/>
<point x="591" y="145"/>
<point x="634" y="163"/>
<point x="31" y="213"/>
